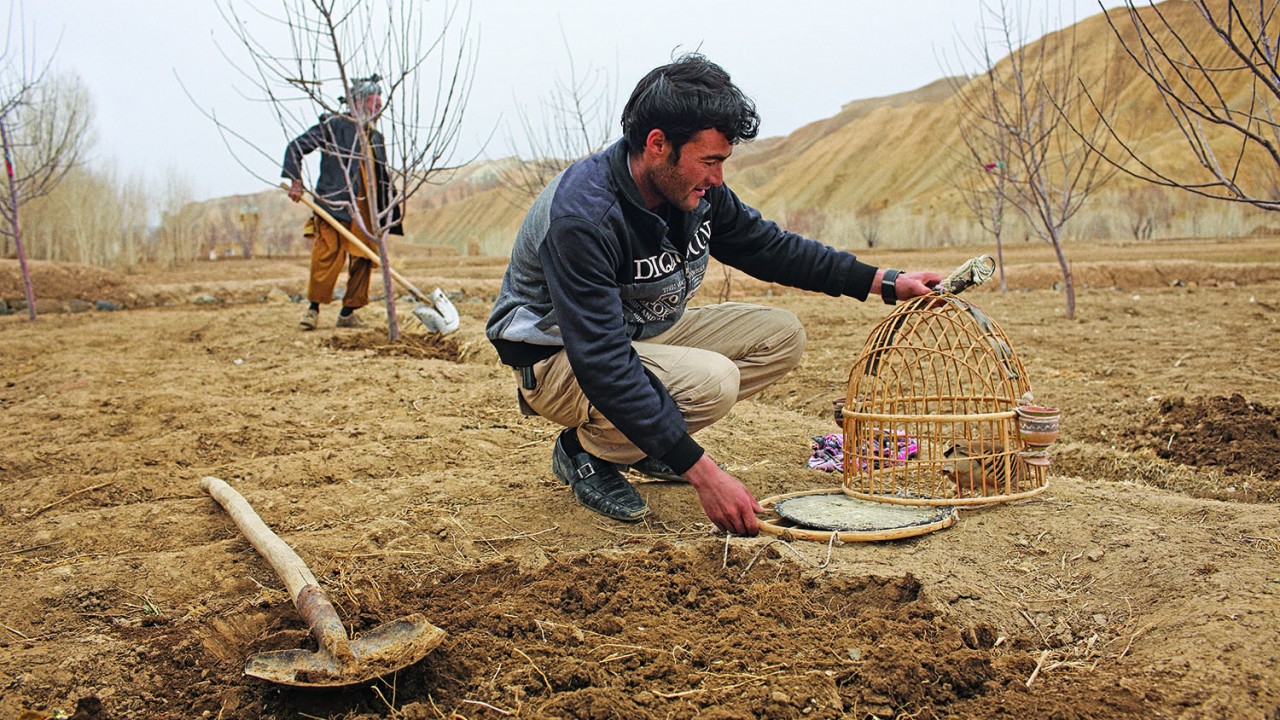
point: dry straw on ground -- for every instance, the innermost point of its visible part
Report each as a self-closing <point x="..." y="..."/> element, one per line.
<point x="1136" y="586"/>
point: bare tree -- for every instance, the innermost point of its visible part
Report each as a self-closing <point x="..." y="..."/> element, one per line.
<point x="1031" y="102"/>
<point x="249" y="222"/>
<point x="427" y="71"/>
<point x="983" y="165"/>
<point x="43" y="123"/>
<point x="869" y="217"/>
<point x="1218" y="82"/>
<point x="575" y="120"/>
<point x="1146" y="208"/>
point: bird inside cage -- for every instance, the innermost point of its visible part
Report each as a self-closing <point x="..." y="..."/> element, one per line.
<point x="980" y="469"/>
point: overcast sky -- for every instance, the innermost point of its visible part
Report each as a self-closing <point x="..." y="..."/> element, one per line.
<point x="799" y="59"/>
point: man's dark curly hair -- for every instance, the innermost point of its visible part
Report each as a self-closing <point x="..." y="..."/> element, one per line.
<point x="684" y="98"/>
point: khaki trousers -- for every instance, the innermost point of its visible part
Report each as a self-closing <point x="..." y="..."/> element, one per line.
<point x="329" y="252"/>
<point x="713" y="357"/>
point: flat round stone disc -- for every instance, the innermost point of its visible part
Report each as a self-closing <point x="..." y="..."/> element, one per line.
<point x="837" y="511"/>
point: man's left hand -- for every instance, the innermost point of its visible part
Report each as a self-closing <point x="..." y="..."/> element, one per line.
<point x="910" y="284"/>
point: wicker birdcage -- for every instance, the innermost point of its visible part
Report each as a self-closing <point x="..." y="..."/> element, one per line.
<point x="930" y="417"/>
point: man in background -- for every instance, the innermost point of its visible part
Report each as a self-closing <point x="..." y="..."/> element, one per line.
<point x="346" y="142"/>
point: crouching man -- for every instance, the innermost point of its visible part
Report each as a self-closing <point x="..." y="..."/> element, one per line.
<point x="593" y="309"/>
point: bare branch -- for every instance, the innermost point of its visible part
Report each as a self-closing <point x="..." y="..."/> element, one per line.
<point x="576" y="120"/>
<point x="1018" y="123"/>
<point x="1217" y="80"/>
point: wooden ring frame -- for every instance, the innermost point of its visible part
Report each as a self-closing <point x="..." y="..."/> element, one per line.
<point x="780" y="527"/>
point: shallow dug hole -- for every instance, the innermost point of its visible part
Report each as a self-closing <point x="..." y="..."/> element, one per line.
<point x="668" y="633"/>
<point x="423" y="347"/>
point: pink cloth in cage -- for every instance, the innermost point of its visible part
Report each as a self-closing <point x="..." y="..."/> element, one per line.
<point x="895" y="448"/>
<point x="828" y="453"/>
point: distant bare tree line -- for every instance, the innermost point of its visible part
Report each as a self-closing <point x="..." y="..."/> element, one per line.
<point x="98" y="217"/>
<point x="61" y="209"/>
<point x="1135" y="213"/>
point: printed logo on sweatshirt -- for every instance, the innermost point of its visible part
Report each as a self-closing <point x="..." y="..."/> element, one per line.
<point x="656" y="266"/>
<point x="654" y="302"/>
<point x="701" y="239"/>
<point x="663" y="308"/>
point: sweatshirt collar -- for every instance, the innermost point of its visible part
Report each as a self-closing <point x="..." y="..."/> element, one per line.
<point x="620" y="168"/>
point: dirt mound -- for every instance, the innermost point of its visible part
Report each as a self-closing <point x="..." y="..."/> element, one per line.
<point x="62" y="282"/>
<point x="422" y="347"/>
<point x="664" y="633"/>
<point x="1231" y="433"/>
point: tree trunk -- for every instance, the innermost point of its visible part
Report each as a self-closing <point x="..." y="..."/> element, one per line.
<point x="1068" y="283"/>
<point x="393" y="324"/>
<point x="17" y="227"/>
<point x="1004" y="283"/>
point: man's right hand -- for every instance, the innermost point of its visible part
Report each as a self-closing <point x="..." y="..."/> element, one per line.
<point x="724" y="498"/>
<point x="295" y="190"/>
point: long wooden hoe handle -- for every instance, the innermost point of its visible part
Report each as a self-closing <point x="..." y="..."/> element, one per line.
<point x="359" y="245"/>
<point x="315" y="608"/>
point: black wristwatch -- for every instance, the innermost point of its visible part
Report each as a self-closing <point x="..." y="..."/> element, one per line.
<point x="888" y="287"/>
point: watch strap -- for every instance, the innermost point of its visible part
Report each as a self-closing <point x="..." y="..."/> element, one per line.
<point x="888" y="287"/>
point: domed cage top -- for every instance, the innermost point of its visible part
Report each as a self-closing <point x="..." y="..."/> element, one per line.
<point x="930" y="417"/>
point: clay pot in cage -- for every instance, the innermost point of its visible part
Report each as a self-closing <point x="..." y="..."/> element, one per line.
<point x="1038" y="425"/>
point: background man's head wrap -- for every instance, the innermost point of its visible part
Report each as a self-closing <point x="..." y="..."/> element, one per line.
<point x="362" y="88"/>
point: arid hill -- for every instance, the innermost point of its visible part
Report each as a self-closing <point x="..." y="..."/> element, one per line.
<point x="891" y="161"/>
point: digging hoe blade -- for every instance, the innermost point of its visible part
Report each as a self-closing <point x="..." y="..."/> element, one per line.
<point x="377" y="652"/>
<point x="340" y="660"/>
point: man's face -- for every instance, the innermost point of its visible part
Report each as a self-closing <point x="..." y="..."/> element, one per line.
<point x="368" y="107"/>
<point x="683" y="182"/>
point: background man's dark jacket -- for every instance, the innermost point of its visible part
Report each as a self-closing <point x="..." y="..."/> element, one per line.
<point x="338" y="139"/>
